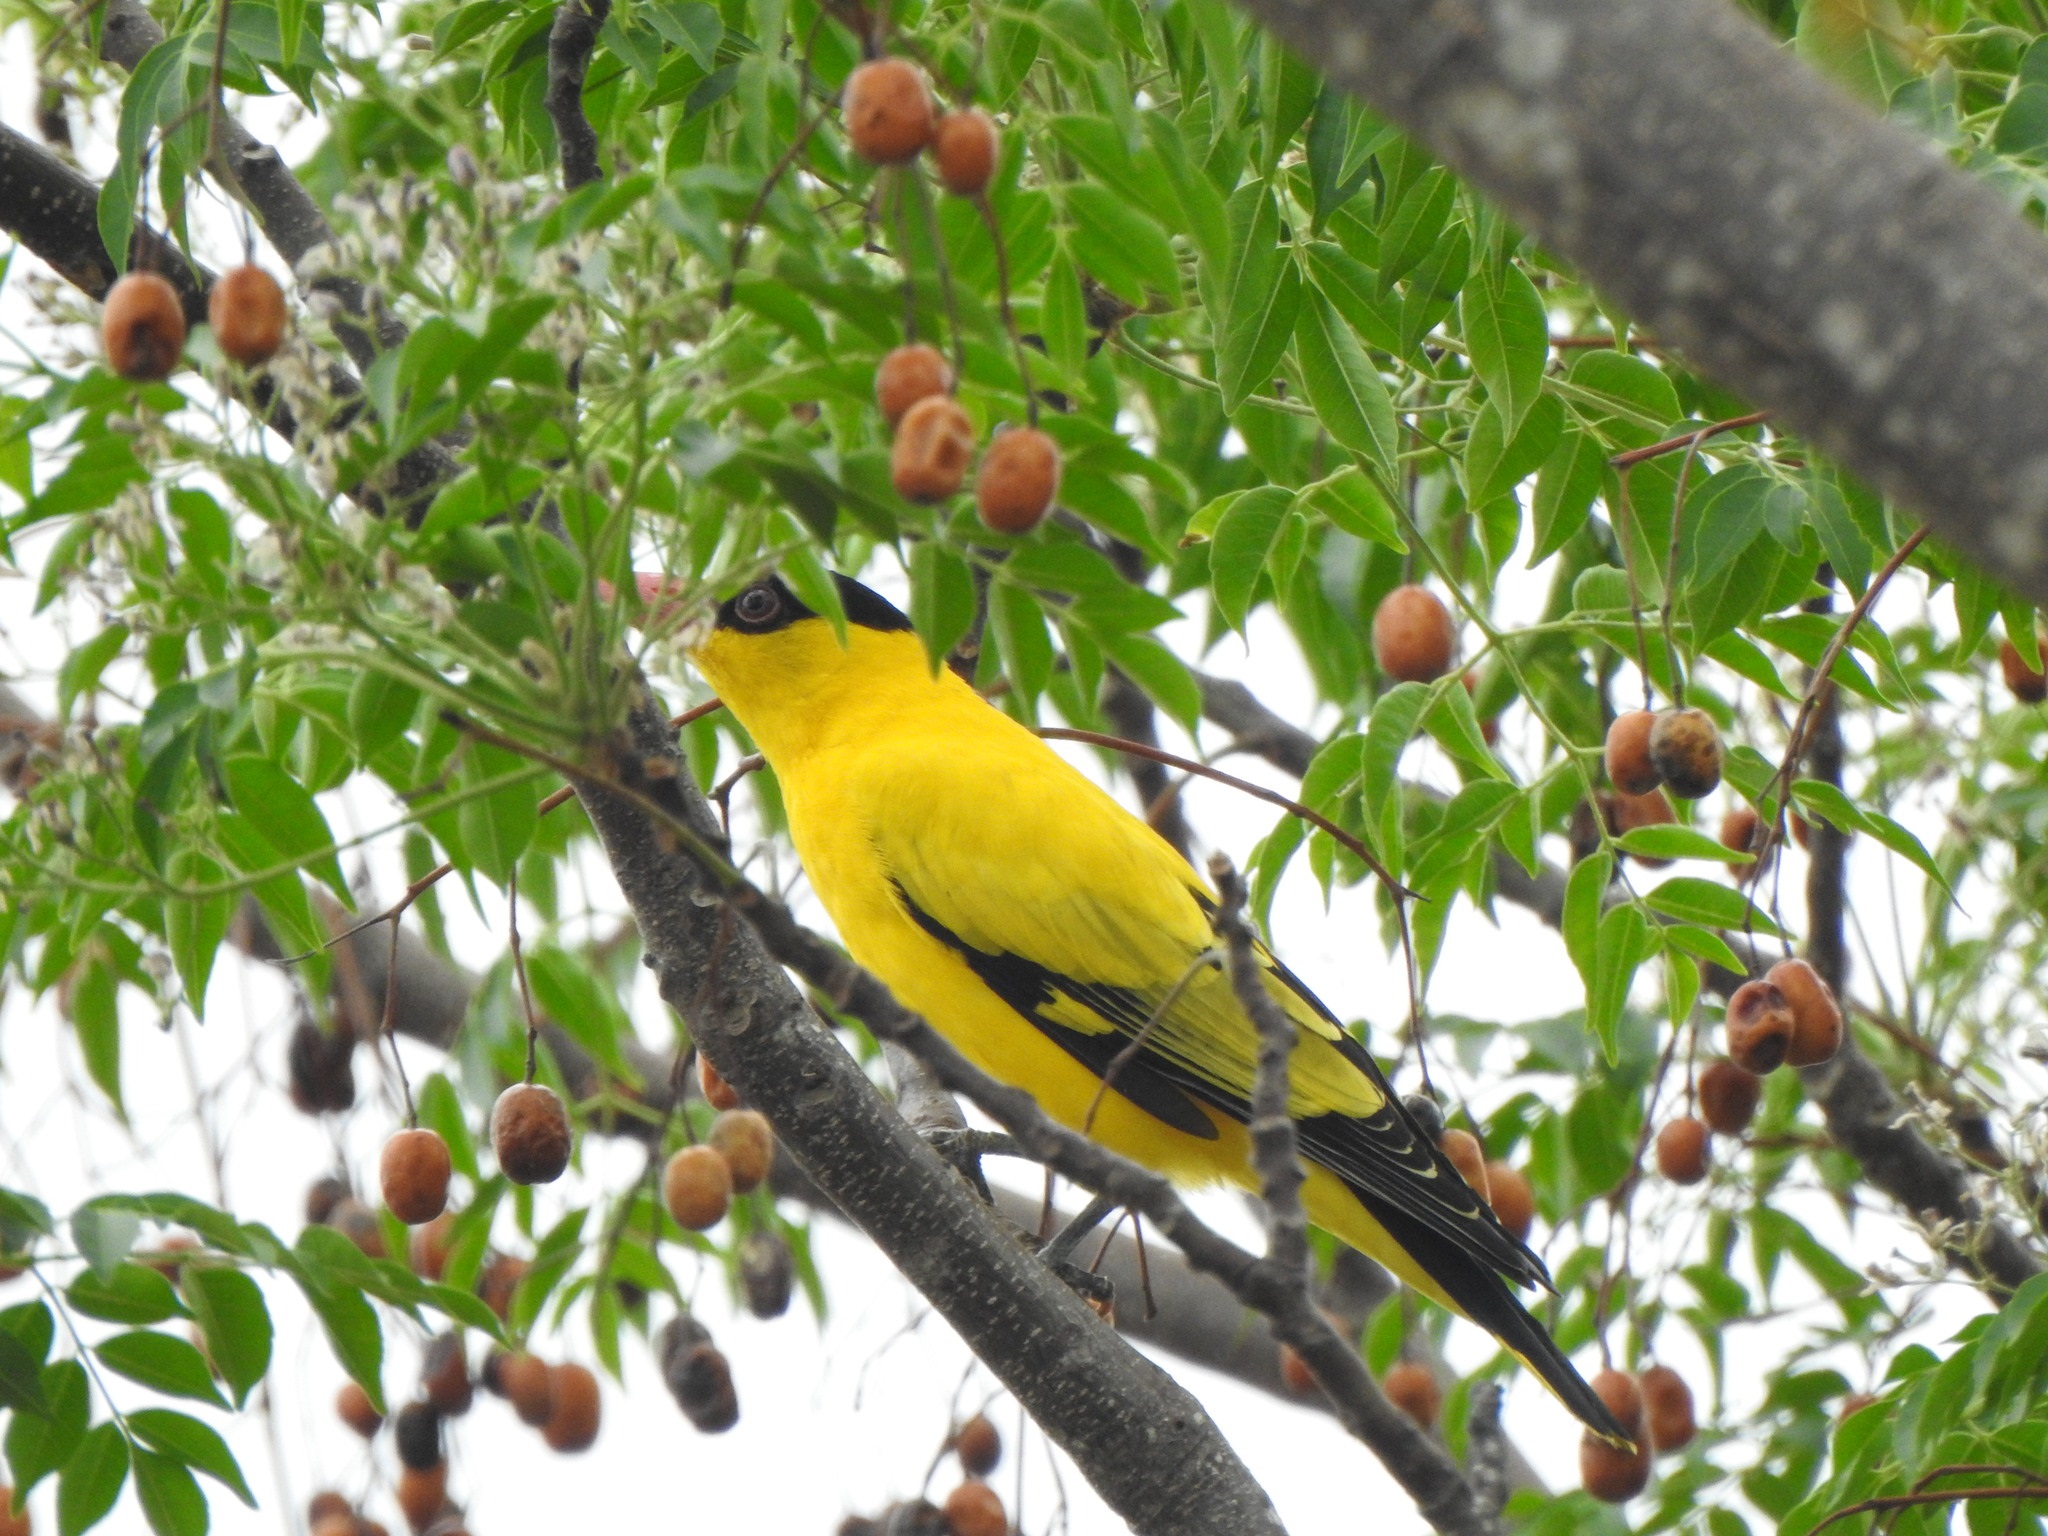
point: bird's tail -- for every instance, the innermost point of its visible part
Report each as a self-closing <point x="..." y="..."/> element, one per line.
<point x="1474" y="1289"/>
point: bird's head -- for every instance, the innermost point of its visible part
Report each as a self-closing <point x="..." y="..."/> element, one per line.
<point x="780" y="668"/>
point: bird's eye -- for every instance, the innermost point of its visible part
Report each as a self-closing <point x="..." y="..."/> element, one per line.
<point x="757" y="605"/>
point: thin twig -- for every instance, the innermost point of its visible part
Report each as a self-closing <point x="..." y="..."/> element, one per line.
<point x="1635" y="456"/>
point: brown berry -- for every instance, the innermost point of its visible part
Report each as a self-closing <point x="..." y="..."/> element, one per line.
<point x="1651" y="810"/>
<point x="1682" y="1153"/>
<point x="322" y="1196"/>
<point x="1611" y="1474"/>
<point x="699" y="1378"/>
<point x="934" y="445"/>
<point x="1411" y="1387"/>
<point x="143" y="327"/>
<point x="530" y="1134"/>
<point x="2027" y="685"/>
<point x="413" y="1174"/>
<point x="973" y="1509"/>
<point x="528" y="1385"/>
<point x="444" y="1375"/>
<point x="320" y="1068"/>
<point x="1489" y="725"/>
<point x="325" y="1505"/>
<point x="1685" y="749"/>
<point x="1412" y="637"/>
<point x="500" y="1278"/>
<point x="572" y="1423"/>
<point x="964" y="150"/>
<point x="697" y="1187"/>
<point x="246" y="311"/>
<point x="428" y="1246"/>
<point x="746" y="1141"/>
<point x="1742" y="831"/>
<point x="353" y="1407"/>
<point x="1623" y="1397"/>
<point x="344" y="1523"/>
<point x="904" y="377"/>
<point x="1816" y="1017"/>
<point x="169" y="1259"/>
<point x="888" y="112"/>
<point x="359" y="1224"/>
<point x="1629" y="768"/>
<point x="718" y="1093"/>
<point x="1802" y="831"/>
<point x="1728" y="1097"/>
<point x="1513" y="1200"/>
<point x="1759" y="1027"/>
<point x="767" y="1272"/>
<point x="422" y="1493"/>
<point x="416" y="1433"/>
<point x="1294" y="1371"/>
<point x="1667" y="1409"/>
<point x="1467" y="1156"/>
<point x="979" y="1447"/>
<point x="1018" y="478"/>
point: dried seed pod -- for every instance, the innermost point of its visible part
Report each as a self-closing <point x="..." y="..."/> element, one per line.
<point x="905" y="376"/>
<point x="1759" y="1027"/>
<point x="417" y="1432"/>
<point x="1467" y="1156"/>
<point x="414" y="1173"/>
<point x="979" y="1446"/>
<point x="1743" y="831"/>
<point x="2027" y="685"/>
<point x="696" y="1186"/>
<point x="934" y="445"/>
<point x="1728" y="1097"/>
<point x="699" y="1378"/>
<point x="143" y="327"/>
<point x="1513" y="1200"/>
<point x="718" y="1093"/>
<point x="321" y="1069"/>
<point x="444" y="1375"/>
<point x="1685" y="749"/>
<point x="964" y="151"/>
<point x="1682" y="1154"/>
<point x="246" y="311"/>
<point x="1629" y="768"/>
<point x="572" y="1421"/>
<point x="888" y="112"/>
<point x="744" y="1138"/>
<point x="767" y="1272"/>
<point x="1411" y="1387"/>
<point x="1017" y="480"/>
<point x="1667" y="1409"/>
<point x="353" y="1407"/>
<point x="530" y="1134"/>
<point x="1816" y="1016"/>
<point x="1412" y="636"/>
<point x="974" y="1509"/>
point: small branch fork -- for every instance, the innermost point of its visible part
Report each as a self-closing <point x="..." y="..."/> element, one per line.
<point x="1422" y="1466"/>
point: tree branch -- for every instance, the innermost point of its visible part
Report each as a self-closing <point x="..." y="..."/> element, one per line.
<point x="1823" y="262"/>
<point x="570" y="41"/>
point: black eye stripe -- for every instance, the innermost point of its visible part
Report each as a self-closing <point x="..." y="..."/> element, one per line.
<point x="865" y="609"/>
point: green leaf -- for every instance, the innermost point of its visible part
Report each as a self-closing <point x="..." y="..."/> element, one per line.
<point x="1676" y="842"/>
<point x="195" y="1444"/>
<point x="586" y="1009"/>
<point x="1121" y="246"/>
<point x="133" y="1293"/>
<point x="1244" y="535"/>
<point x="1620" y="947"/>
<point x="941" y="599"/>
<point x="281" y="810"/>
<point x="1584" y="891"/>
<point x="1832" y="806"/>
<point x="38" y="1446"/>
<point x="1023" y="638"/>
<point x="196" y="925"/>
<point x="91" y="1480"/>
<point x="1162" y="675"/>
<point x="1705" y="901"/>
<point x="1065" y="317"/>
<point x="1353" y="503"/>
<point x="169" y="1495"/>
<point x="1412" y="229"/>
<point x="1260" y="298"/>
<point x="104" y="1233"/>
<point x="80" y="671"/>
<point x="1454" y="725"/>
<point x="1509" y="334"/>
<point x="1350" y="398"/>
<point x="21" y="1376"/>
<point x="232" y="1315"/>
<point x="162" y="1362"/>
<point x="1565" y="488"/>
<point x="497" y="826"/>
<point x="96" y="1018"/>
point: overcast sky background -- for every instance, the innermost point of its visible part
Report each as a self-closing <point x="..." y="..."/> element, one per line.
<point x="839" y="1417"/>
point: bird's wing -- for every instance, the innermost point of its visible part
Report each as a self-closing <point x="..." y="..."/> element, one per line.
<point x="1094" y="931"/>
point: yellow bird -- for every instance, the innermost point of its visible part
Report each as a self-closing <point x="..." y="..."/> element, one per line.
<point x="1039" y="926"/>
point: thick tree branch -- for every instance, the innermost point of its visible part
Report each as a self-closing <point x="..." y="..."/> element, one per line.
<point x="1823" y="262"/>
<point x="570" y="41"/>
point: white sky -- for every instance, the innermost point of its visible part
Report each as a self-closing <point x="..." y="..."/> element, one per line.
<point x="834" y="1419"/>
